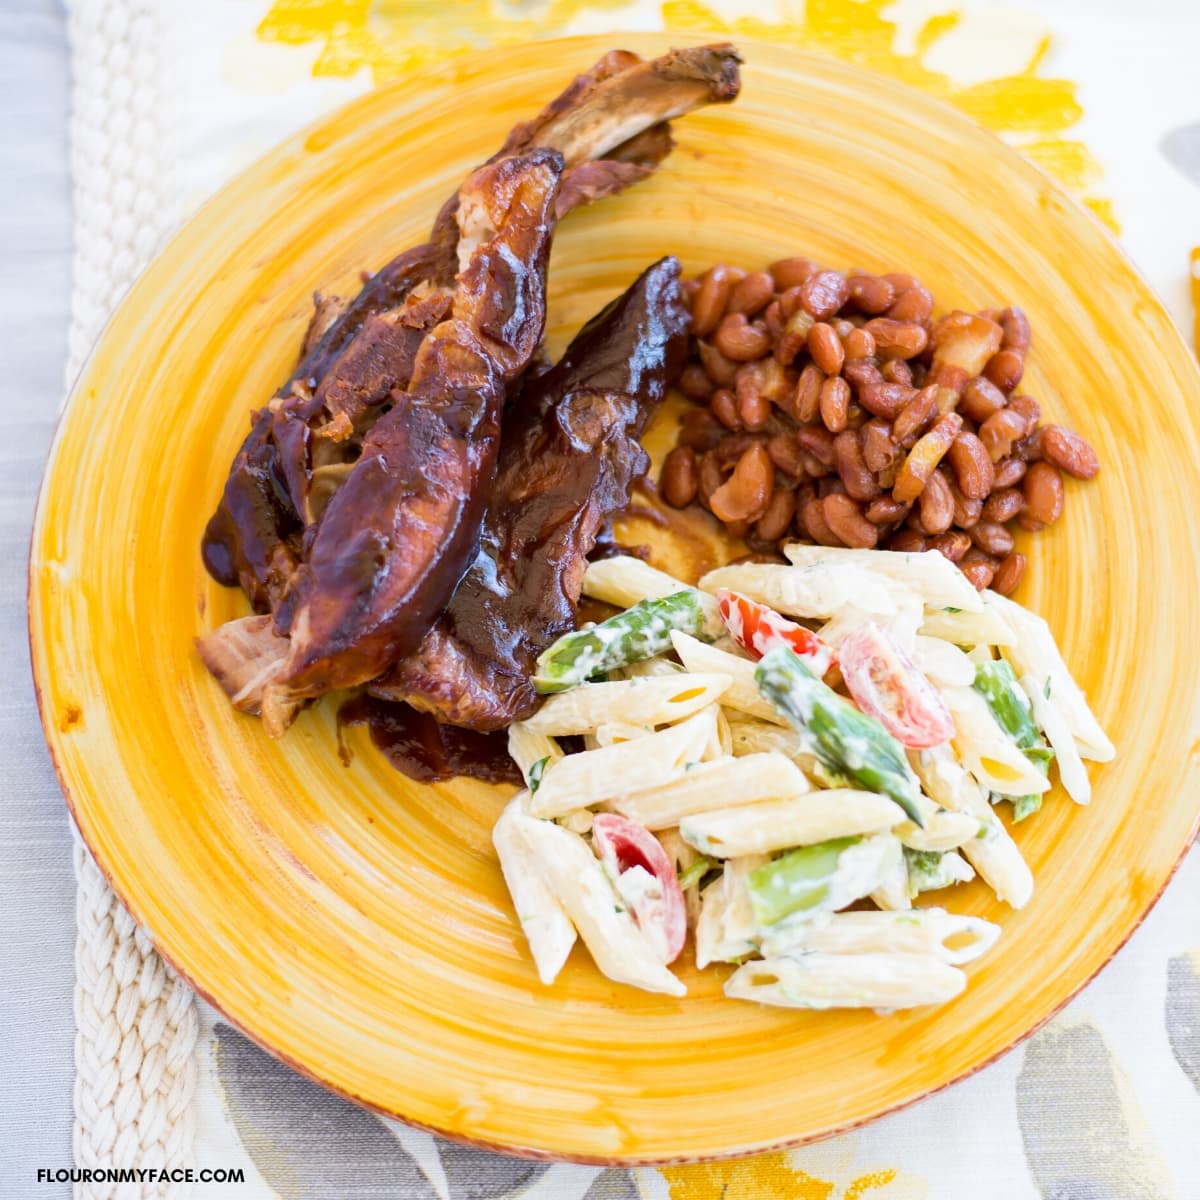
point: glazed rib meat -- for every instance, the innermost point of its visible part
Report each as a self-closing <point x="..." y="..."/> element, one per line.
<point x="255" y="537"/>
<point x="568" y="457"/>
<point x="610" y="127"/>
<point x="398" y="535"/>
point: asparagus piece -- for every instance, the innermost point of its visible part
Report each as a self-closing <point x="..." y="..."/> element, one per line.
<point x="797" y="880"/>
<point x="996" y="682"/>
<point x="636" y="634"/>
<point x="697" y="871"/>
<point x="819" y="878"/>
<point x="846" y="741"/>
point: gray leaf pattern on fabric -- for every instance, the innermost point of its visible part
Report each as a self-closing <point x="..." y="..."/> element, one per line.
<point x="481" y="1175"/>
<point x="307" y="1143"/>
<point x="612" y="1184"/>
<point x="1085" y="1138"/>
<point x="1181" y="148"/>
<point x="1183" y="1013"/>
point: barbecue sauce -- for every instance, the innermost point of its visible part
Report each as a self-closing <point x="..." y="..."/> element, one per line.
<point x="416" y="744"/>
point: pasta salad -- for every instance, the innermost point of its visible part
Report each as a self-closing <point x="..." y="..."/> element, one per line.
<point x="779" y="761"/>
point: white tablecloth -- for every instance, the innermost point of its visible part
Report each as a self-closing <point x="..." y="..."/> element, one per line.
<point x="37" y="886"/>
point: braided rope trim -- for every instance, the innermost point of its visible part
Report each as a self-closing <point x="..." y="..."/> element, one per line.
<point x="136" y="1021"/>
<point x="136" y="1026"/>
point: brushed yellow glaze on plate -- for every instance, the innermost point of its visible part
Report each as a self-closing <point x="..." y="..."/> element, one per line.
<point x="356" y="923"/>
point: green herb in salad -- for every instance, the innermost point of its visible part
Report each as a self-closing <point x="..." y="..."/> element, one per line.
<point x="536" y="771"/>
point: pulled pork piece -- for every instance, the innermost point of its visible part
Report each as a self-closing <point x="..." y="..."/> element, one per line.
<point x="568" y="458"/>
<point x="244" y="656"/>
<point x="326" y="311"/>
<point x="617" y="113"/>
<point x="396" y="538"/>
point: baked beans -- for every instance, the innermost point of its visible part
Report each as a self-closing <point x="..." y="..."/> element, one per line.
<point x="836" y="408"/>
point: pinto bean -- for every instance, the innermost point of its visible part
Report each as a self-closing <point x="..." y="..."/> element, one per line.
<point x="711" y="299"/>
<point x="744" y="496"/>
<point x="973" y="470"/>
<point x="845" y="519"/>
<point x="1008" y="574"/>
<point x="777" y="519"/>
<point x="1069" y="452"/>
<point x="752" y="294"/>
<point x="853" y="471"/>
<point x="826" y="348"/>
<point x="679" y="481"/>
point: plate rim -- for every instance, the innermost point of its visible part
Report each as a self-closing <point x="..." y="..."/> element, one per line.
<point x="1008" y="155"/>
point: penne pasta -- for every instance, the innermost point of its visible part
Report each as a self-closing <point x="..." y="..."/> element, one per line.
<point x="678" y="851"/>
<point x="754" y="737"/>
<point x="818" y="980"/>
<point x="964" y="628"/>
<point x="742" y="694"/>
<point x="719" y="741"/>
<point x="943" y="830"/>
<point x="938" y="582"/>
<point x="723" y="743"/>
<point x="992" y="853"/>
<point x="942" y="662"/>
<point x="543" y="919"/>
<point x="648" y="668"/>
<point x="730" y="646"/>
<point x="707" y="786"/>
<point x="532" y="752"/>
<point x="1071" y="770"/>
<point x="995" y="760"/>
<point x="683" y="857"/>
<point x="816" y="592"/>
<point x="586" y="779"/>
<point x="614" y="733"/>
<point x="726" y="930"/>
<point x="750" y="736"/>
<point x="779" y="824"/>
<point x="574" y="876"/>
<point x="625" y="581"/>
<point x="1035" y="653"/>
<point x="579" y="821"/>
<point x="891" y="892"/>
<point x="951" y="937"/>
<point x="654" y="701"/>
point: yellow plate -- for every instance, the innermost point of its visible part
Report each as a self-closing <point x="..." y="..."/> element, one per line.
<point x="356" y="923"/>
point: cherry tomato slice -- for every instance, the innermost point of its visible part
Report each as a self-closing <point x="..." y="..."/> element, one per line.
<point x="757" y="628"/>
<point x="658" y="909"/>
<point x="885" y="685"/>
